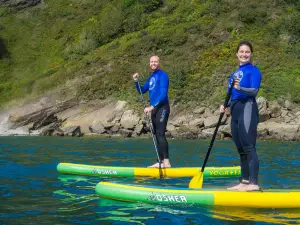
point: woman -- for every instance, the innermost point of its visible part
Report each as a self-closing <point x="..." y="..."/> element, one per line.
<point x="244" y="112"/>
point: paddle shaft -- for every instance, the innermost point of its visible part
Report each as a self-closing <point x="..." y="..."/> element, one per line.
<point x="217" y="127"/>
<point x="149" y="124"/>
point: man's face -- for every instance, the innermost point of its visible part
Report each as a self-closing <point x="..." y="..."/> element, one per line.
<point x="154" y="63"/>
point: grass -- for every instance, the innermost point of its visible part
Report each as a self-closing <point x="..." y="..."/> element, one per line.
<point x="100" y="44"/>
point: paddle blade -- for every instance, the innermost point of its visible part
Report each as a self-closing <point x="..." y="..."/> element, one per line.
<point x="197" y="181"/>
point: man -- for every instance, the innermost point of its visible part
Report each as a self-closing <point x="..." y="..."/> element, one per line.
<point x="158" y="85"/>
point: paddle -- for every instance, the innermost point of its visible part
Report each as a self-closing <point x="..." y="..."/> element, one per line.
<point x="197" y="180"/>
<point x="151" y="130"/>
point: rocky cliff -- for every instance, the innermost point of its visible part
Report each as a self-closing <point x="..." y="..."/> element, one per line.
<point x="49" y="116"/>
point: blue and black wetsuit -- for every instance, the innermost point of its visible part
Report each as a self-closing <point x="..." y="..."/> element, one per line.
<point x="245" y="119"/>
<point x="158" y="85"/>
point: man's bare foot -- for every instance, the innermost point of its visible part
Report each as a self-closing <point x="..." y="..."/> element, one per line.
<point x="250" y="187"/>
<point x="237" y="187"/>
<point x="155" y="165"/>
<point x="166" y="163"/>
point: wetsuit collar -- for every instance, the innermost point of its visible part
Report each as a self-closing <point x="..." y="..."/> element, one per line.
<point x="155" y="71"/>
<point x="244" y="65"/>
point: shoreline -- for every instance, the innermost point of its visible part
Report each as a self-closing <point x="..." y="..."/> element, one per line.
<point x="116" y="119"/>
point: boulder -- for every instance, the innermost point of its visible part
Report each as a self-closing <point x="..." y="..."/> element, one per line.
<point x="212" y="121"/>
<point x="288" y="104"/>
<point x="262" y="109"/>
<point x="125" y="133"/>
<point x="129" y="120"/>
<point x="97" y="127"/>
<point x="197" y="122"/>
<point x="274" y="109"/>
<point x="199" y="110"/>
<point x="208" y="113"/>
<point x="72" y="131"/>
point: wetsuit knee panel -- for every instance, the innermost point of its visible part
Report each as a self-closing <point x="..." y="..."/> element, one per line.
<point x="248" y="149"/>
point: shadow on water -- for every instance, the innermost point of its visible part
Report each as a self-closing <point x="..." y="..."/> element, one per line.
<point x="32" y="192"/>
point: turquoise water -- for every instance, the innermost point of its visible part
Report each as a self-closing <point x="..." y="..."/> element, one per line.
<point x="32" y="192"/>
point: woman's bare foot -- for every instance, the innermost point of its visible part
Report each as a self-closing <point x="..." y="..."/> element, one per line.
<point x="237" y="187"/>
<point x="250" y="187"/>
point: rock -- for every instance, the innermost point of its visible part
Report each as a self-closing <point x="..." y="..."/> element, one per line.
<point x="199" y="110"/>
<point x="284" y="113"/>
<point x="45" y="101"/>
<point x="129" y="120"/>
<point x="197" y="122"/>
<point x="263" y="117"/>
<point x="187" y="133"/>
<point x="19" y="131"/>
<point x="288" y="104"/>
<point x="120" y="105"/>
<point x="72" y="130"/>
<point x="178" y="121"/>
<point x="47" y="119"/>
<point x="262" y="132"/>
<point x="181" y="120"/>
<point x="225" y="131"/>
<point x="139" y="129"/>
<point x="171" y="127"/>
<point x="262" y="109"/>
<point x="280" y="131"/>
<point x="212" y="121"/>
<point x="188" y="129"/>
<point x="208" y="133"/>
<point x="21" y="4"/>
<point x="171" y="131"/>
<point x="97" y="127"/>
<point x="107" y="125"/>
<point x="58" y="132"/>
<point x="115" y="128"/>
<point x="107" y="67"/>
<point x="125" y="133"/>
<point x="49" y="129"/>
<point x="262" y="103"/>
<point x="274" y="109"/>
<point x="116" y="118"/>
<point x="208" y="113"/>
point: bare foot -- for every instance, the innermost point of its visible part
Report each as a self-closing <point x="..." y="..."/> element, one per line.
<point x="237" y="187"/>
<point x="250" y="187"/>
<point x="156" y="165"/>
<point x="167" y="163"/>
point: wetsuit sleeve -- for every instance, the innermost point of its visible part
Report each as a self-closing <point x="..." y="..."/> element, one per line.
<point x="255" y="83"/>
<point x="230" y="80"/>
<point x="164" y="86"/>
<point x="255" y="78"/>
<point x="249" y="91"/>
<point x="144" y="88"/>
<point x="228" y="104"/>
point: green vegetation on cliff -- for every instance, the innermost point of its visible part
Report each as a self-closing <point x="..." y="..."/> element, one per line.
<point x="95" y="46"/>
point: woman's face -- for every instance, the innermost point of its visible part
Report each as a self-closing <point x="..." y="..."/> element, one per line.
<point x="244" y="54"/>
